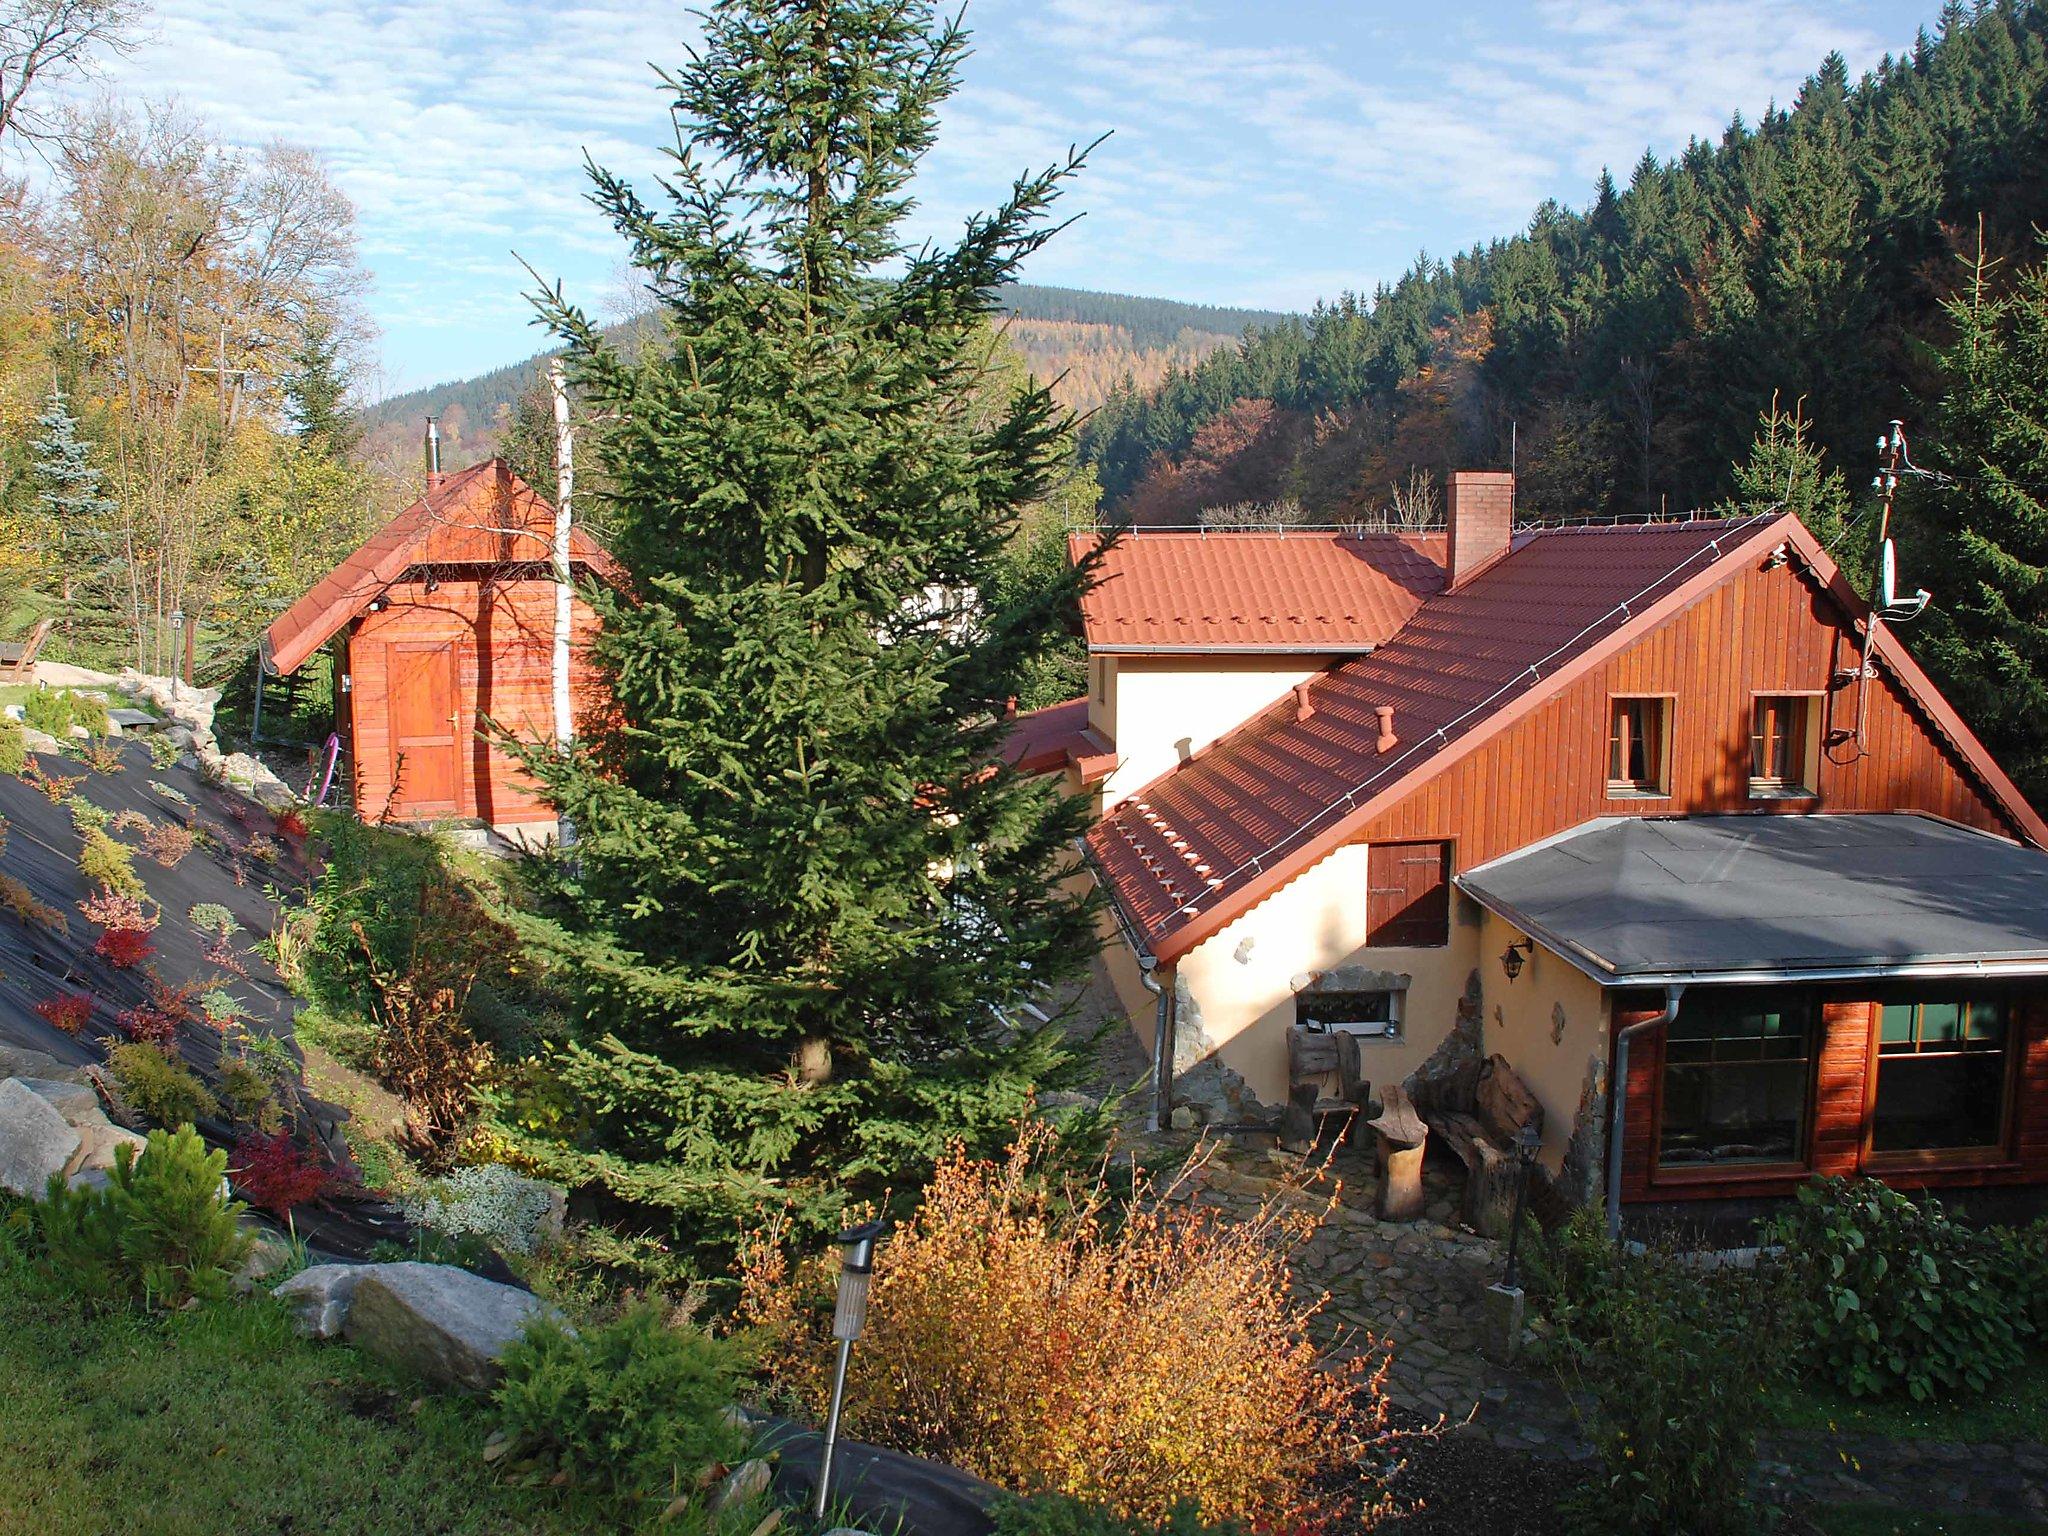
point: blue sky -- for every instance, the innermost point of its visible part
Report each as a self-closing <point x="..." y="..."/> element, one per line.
<point x="1263" y="154"/>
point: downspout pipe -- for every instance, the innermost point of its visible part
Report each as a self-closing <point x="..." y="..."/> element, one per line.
<point x="1617" y="1093"/>
<point x="1162" y="1059"/>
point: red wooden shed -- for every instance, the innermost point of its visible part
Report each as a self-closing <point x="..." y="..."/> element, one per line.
<point x="443" y="621"/>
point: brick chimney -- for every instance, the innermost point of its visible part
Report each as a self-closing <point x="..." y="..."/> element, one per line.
<point x="1479" y="514"/>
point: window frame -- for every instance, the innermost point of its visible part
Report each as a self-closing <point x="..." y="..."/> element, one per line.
<point x="1998" y="1153"/>
<point x="1394" y="1031"/>
<point x="1806" y="786"/>
<point x="1628" y="789"/>
<point x="1799" y="1166"/>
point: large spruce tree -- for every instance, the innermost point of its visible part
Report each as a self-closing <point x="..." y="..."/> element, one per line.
<point x="802" y="905"/>
<point x="1981" y="534"/>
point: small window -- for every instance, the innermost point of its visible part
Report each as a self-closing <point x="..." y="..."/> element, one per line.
<point x="1941" y="1074"/>
<point x="1376" y="1014"/>
<point x="1781" y="746"/>
<point x="1637" y="740"/>
<point x="1408" y="905"/>
<point x="1738" y="1066"/>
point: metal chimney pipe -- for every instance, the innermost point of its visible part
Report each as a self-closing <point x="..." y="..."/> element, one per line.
<point x="433" y="452"/>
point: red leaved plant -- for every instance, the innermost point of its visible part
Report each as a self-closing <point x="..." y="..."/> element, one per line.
<point x="123" y="948"/>
<point x="290" y="822"/>
<point x="277" y="1174"/>
<point x="67" y="1011"/>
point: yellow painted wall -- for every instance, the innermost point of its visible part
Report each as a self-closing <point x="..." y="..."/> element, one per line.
<point x="1520" y="1017"/>
<point x="1241" y="981"/>
<point x="1159" y="709"/>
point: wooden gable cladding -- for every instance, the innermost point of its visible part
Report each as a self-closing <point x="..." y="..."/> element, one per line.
<point x="1844" y="1066"/>
<point x="496" y="641"/>
<point x="1763" y="630"/>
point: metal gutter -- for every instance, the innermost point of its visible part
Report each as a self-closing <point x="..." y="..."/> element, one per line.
<point x="1196" y="648"/>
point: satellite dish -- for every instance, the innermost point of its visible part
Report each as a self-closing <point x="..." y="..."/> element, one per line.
<point x="1893" y="608"/>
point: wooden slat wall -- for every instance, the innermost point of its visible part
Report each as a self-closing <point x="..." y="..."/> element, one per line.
<point x="1764" y="631"/>
<point x="505" y="635"/>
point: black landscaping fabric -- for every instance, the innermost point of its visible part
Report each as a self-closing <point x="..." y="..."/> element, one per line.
<point x="241" y="862"/>
<point x="884" y="1490"/>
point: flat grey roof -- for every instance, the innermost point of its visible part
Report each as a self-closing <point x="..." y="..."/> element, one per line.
<point x="1641" y="901"/>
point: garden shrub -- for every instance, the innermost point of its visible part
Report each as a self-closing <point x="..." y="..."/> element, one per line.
<point x="13" y="746"/>
<point x="278" y="1175"/>
<point x="111" y="909"/>
<point x="167" y="843"/>
<point x="124" y="948"/>
<point x="48" y="710"/>
<point x="163" y="749"/>
<point x="1056" y="1515"/>
<point x="102" y="756"/>
<point x="636" y="1405"/>
<point x="53" y="787"/>
<point x="486" y="1200"/>
<point x="159" y="1231"/>
<point x="156" y="1087"/>
<point x="156" y="1018"/>
<point x="248" y="1095"/>
<point x="68" y="1011"/>
<point x="17" y="898"/>
<point x="1142" y="1354"/>
<point x="105" y="862"/>
<point x="1670" y="1363"/>
<point x="210" y="917"/>
<point x="1894" y="1294"/>
<point x="85" y="815"/>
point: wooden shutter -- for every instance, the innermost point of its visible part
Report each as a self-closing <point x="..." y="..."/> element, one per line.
<point x="1409" y="902"/>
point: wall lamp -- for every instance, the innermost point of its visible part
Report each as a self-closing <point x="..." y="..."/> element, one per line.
<point x="1511" y="958"/>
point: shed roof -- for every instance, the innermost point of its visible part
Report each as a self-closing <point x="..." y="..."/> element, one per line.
<point x="1057" y="737"/>
<point x="1314" y="590"/>
<point x="482" y="515"/>
<point x="1639" y="901"/>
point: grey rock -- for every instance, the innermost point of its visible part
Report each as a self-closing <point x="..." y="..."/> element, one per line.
<point x="20" y="1061"/>
<point x="748" y="1480"/>
<point x="1183" y="1118"/>
<point x="103" y="1142"/>
<point x="267" y="1255"/>
<point x="35" y="1142"/>
<point x="319" y="1297"/>
<point x="448" y="1325"/>
<point x="76" y="1102"/>
<point x="90" y="1178"/>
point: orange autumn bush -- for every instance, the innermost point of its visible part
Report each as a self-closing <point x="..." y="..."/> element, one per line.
<point x="1142" y="1352"/>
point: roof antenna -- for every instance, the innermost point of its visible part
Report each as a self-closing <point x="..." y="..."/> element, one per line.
<point x="1887" y="606"/>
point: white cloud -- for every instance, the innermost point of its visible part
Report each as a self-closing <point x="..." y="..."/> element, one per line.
<point x="1262" y="153"/>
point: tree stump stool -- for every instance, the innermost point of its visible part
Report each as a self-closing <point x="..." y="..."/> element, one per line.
<point x="1400" y="1138"/>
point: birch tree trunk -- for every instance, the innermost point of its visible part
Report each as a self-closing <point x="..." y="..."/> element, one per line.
<point x="565" y="490"/>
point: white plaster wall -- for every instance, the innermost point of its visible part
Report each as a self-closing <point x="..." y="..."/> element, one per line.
<point x="1160" y="709"/>
<point x="1520" y="1019"/>
<point x="1241" y="980"/>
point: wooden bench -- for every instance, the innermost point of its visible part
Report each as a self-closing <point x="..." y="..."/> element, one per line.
<point x="18" y="657"/>
<point x="1312" y="1056"/>
<point x="1484" y="1137"/>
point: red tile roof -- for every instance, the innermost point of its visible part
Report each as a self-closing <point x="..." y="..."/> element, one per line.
<point x="483" y="515"/>
<point x="1058" y="737"/>
<point x="1216" y="834"/>
<point x="1313" y="590"/>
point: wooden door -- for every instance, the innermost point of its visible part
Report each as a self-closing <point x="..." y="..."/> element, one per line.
<point x="1409" y="903"/>
<point x="425" y="735"/>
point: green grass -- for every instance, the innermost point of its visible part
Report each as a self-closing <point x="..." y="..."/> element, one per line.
<point x="223" y="1422"/>
<point x="2015" y="1408"/>
<point x="1878" y="1520"/>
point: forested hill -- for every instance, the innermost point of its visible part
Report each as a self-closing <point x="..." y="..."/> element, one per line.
<point x="1629" y="347"/>
<point x="1095" y="340"/>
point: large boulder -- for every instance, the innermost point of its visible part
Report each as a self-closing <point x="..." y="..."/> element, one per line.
<point x="21" y="1061"/>
<point x="35" y="1141"/>
<point x="76" y="1102"/>
<point x="446" y="1324"/>
<point x="319" y="1297"/>
<point x="252" y="777"/>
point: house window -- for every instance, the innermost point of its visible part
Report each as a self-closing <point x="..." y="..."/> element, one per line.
<point x="1351" y="1013"/>
<point x="1408" y="904"/>
<point x="1636" y="747"/>
<point x="1941" y="1074"/>
<point x="1781" y="745"/>
<point x="1738" y="1067"/>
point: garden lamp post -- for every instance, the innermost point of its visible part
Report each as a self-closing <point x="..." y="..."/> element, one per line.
<point x="177" y="635"/>
<point x="849" y="1317"/>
